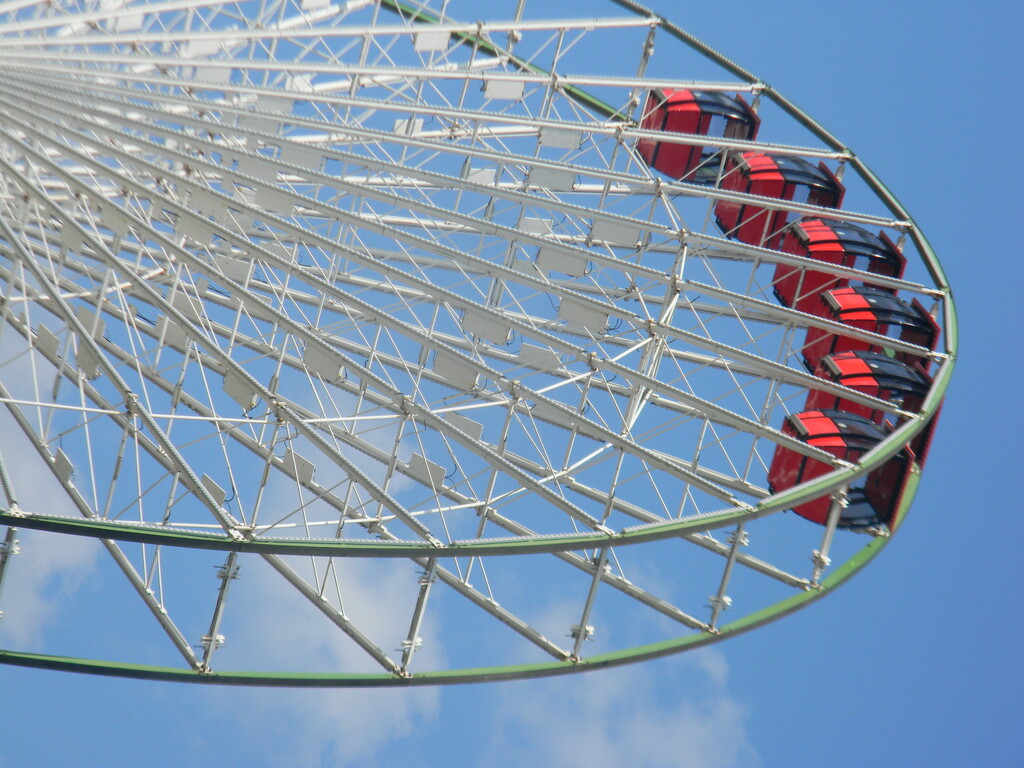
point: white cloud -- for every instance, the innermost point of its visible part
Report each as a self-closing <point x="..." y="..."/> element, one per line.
<point x="311" y="727"/>
<point x="50" y="567"/>
<point x="337" y="728"/>
<point x="47" y="572"/>
<point x="674" y="713"/>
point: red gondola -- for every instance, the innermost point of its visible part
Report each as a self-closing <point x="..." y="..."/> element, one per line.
<point x="705" y="113"/>
<point x="784" y="178"/>
<point x="875" y="310"/>
<point x="832" y="242"/>
<point x="872" y="501"/>
<point x="871" y="373"/>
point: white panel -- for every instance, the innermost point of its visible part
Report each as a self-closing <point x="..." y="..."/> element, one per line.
<point x="298" y="467"/>
<point x="300" y="83"/>
<point x="197" y="230"/>
<point x="260" y="312"/>
<point x="456" y="371"/>
<point x="315" y="5"/>
<point x="535" y="226"/>
<point x="188" y="306"/>
<point x="552" y="178"/>
<point x="214" y="490"/>
<point x="426" y="471"/>
<point x="46" y="341"/>
<point x="274" y="200"/>
<point x="128" y="22"/>
<point x="171" y="333"/>
<point x="285" y="253"/>
<point x="71" y="238"/>
<point x="484" y="176"/>
<point x="563" y="138"/>
<point x="323" y="363"/>
<point x="92" y="322"/>
<point x="216" y="75"/>
<point x="408" y="127"/>
<point x="615" y="232"/>
<point x="431" y="40"/>
<point x="239" y="270"/>
<point x="114" y="220"/>
<point x="259" y="124"/>
<point x="87" y="361"/>
<point x="199" y="48"/>
<point x="472" y="428"/>
<point x="485" y="326"/>
<point x="265" y="103"/>
<point x="526" y="266"/>
<point x="542" y="410"/>
<point x="201" y="231"/>
<point x="510" y="90"/>
<point x="583" y="316"/>
<point x="539" y="358"/>
<point x="240" y="390"/>
<point x="304" y="157"/>
<point x="63" y="466"/>
<point x="557" y="260"/>
<point x="246" y="194"/>
<point x="203" y="202"/>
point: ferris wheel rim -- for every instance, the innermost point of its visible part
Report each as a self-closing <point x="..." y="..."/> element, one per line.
<point x="622" y="657"/>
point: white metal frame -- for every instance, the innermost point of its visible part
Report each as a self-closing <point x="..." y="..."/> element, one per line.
<point x="363" y="280"/>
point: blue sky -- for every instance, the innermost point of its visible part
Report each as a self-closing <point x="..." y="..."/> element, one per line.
<point x="915" y="662"/>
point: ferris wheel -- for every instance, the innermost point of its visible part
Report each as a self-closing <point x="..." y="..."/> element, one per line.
<point x="467" y="349"/>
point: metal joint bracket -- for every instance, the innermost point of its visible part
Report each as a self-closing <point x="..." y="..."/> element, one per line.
<point x="225" y="572"/>
<point x="131" y="405"/>
<point x="278" y="408"/>
<point x="214" y="641"/>
<point x="841" y="497"/>
<point x="742" y="540"/>
<point x="9" y="549"/>
<point x="720" y="603"/>
<point x="821" y="561"/>
<point x="405" y="405"/>
<point x="514" y="388"/>
<point x="586" y="630"/>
